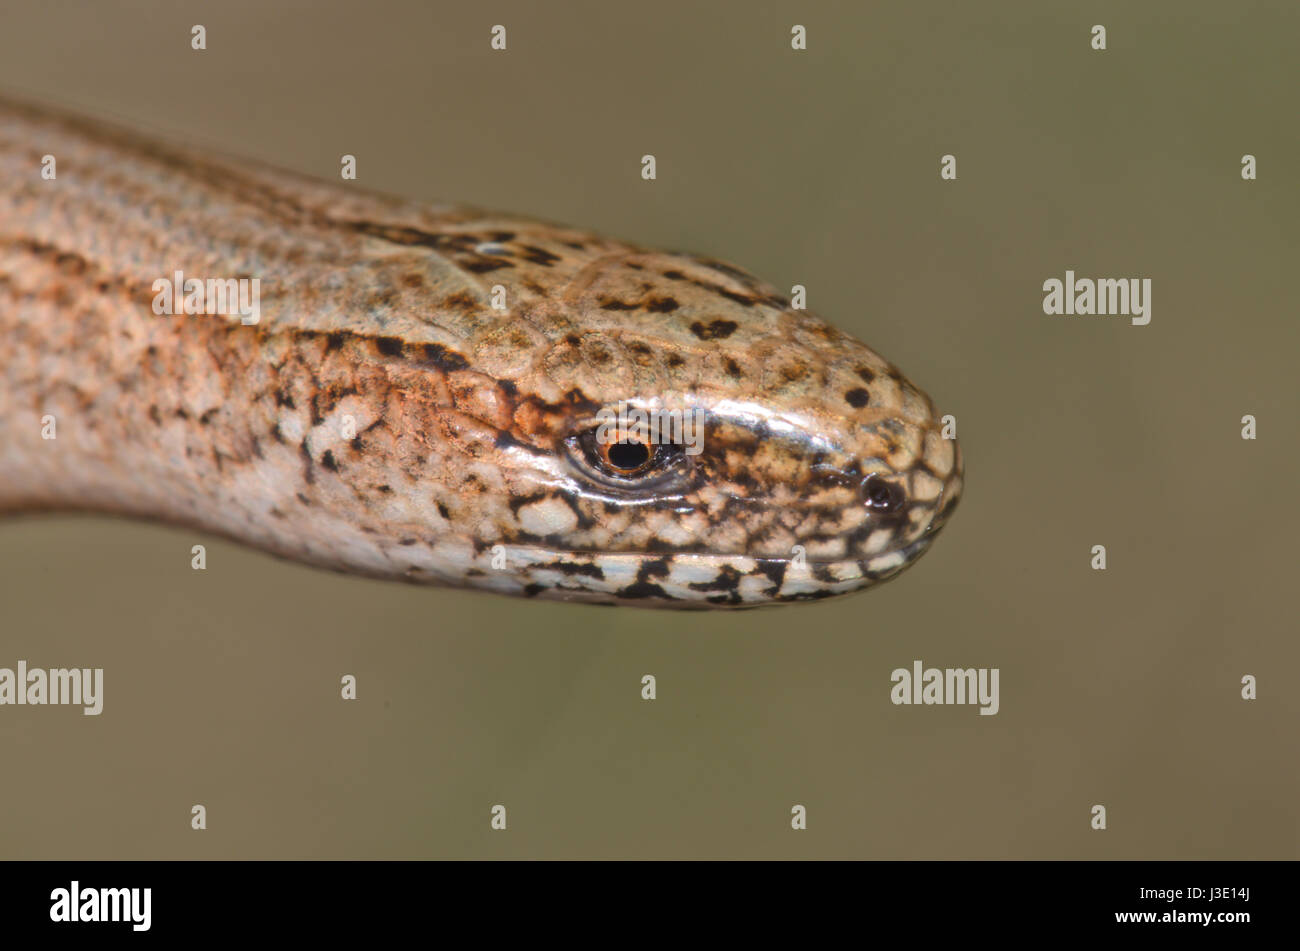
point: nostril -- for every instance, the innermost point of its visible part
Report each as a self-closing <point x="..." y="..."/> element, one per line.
<point x="881" y="495"/>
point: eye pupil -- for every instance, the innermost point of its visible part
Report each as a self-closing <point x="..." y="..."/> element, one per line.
<point x="881" y="495"/>
<point x="628" y="455"/>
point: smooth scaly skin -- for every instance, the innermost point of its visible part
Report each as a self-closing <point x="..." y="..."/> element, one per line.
<point x="380" y="310"/>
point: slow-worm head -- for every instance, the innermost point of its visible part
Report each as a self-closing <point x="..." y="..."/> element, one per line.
<point x="439" y="394"/>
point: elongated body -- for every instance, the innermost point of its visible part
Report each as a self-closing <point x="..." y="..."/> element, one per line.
<point x="425" y="393"/>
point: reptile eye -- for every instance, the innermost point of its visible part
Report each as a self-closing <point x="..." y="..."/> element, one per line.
<point x="627" y="461"/>
<point x="882" y="495"/>
<point x="626" y="457"/>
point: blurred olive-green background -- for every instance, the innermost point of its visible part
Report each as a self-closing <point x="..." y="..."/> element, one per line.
<point x="821" y="167"/>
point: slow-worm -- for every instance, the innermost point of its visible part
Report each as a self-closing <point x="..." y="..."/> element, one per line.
<point x="426" y="391"/>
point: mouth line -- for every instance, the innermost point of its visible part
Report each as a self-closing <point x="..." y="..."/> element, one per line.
<point x="578" y="556"/>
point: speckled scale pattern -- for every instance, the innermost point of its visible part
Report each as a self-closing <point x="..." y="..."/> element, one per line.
<point x="460" y="470"/>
